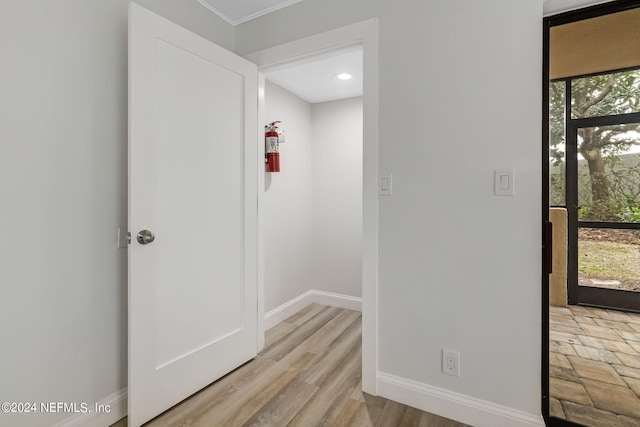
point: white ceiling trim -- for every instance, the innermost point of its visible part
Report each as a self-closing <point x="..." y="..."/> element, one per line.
<point x="311" y="57"/>
<point x="247" y="18"/>
<point x="554" y="7"/>
<point x="266" y="11"/>
<point x="216" y="11"/>
<point x="551" y="7"/>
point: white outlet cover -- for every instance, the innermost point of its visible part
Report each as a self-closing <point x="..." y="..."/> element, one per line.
<point x="451" y="362"/>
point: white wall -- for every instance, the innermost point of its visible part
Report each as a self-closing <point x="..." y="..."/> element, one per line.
<point x="337" y="197"/>
<point x="288" y="201"/>
<point x="63" y="171"/>
<point x="459" y="268"/>
<point x="313" y="207"/>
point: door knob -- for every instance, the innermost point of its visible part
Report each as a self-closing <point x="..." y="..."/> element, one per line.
<point x="145" y="237"/>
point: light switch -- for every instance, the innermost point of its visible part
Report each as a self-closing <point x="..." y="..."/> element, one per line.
<point x="385" y="185"/>
<point x="503" y="182"/>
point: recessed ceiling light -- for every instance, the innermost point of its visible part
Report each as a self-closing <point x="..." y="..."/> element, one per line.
<point x="344" y="76"/>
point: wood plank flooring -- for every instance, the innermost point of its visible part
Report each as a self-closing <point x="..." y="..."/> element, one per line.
<point x="309" y="374"/>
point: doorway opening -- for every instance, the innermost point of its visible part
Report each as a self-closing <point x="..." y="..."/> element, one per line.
<point x="591" y="194"/>
<point x="312" y="208"/>
<point x="364" y="34"/>
<point x="595" y="175"/>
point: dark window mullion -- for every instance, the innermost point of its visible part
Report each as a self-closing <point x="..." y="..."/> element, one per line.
<point x="602" y="224"/>
<point x="571" y="197"/>
<point x="616" y="119"/>
<point x="599" y="73"/>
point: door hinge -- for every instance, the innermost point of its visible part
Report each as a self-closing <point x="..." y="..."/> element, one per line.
<point x="547" y="246"/>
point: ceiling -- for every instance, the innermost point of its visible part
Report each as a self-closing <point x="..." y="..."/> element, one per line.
<point x="314" y="79"/>
<point x="238" y="11"/>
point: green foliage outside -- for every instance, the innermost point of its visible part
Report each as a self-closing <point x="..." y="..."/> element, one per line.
<point x="609" y="177"/>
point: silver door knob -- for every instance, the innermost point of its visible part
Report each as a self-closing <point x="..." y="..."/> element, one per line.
<point x="145" y="237"/>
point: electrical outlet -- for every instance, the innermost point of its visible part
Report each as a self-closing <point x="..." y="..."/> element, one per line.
<point x="451" y="362"/>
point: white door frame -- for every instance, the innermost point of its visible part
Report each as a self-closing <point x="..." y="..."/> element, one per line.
<point x="366" y="34"/>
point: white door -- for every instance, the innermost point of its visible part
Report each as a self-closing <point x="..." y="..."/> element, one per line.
<point x="193" y="183"/>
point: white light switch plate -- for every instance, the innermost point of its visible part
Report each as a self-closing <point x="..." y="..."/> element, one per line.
<point x="504" y="182"/>
<point x="385" y="185"/>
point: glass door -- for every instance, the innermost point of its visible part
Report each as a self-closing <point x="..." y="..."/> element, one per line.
<point x="597" y="147"/>
<point x="591" y="303"/>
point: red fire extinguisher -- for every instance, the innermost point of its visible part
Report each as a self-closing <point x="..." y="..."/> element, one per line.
<point x="272" y="139"/>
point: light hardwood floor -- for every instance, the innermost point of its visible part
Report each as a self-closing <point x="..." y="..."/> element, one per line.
<point x="309" y="374"/>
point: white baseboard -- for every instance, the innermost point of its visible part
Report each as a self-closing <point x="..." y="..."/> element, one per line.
<point x="452" y="405"/>
<point x="337" y="300"/>
<point x="117" y="409"/>
<point x="280" y="313"/>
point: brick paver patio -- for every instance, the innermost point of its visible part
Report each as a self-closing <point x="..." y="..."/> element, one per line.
<point x="594" y="365"/>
